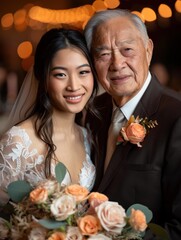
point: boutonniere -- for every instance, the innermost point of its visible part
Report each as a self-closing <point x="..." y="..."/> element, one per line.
<point x="135" y="130"/>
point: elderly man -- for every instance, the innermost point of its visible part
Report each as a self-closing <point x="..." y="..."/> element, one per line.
<point x="145" y="167"/>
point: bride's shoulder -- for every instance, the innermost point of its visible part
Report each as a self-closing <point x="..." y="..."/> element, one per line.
<point x="26" y="124"/>
<point x="21" y="130"/>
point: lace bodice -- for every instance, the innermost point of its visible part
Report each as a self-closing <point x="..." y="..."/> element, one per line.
<point x="19" y="161"/>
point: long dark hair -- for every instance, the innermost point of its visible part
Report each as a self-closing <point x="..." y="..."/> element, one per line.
<point x="51" y="42"/>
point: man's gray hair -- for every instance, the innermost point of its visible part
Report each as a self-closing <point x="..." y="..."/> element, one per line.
<point x="103" y="16"/>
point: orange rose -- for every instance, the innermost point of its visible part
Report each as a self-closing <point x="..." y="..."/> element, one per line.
<point x="95" y="199"/>
<point x="98" y="196"/>
<point x="80" y="193"/>
<point x="135" y="133"/>
<point x="89" y="225"/>
<point x="57" y="236"/>
<point x="39" y="195"/>
<point x="138" y="220"/>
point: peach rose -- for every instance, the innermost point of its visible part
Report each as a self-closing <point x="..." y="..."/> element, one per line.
<point x="80" y="193"/>
<point x="112" y="216"/>
<point x="39" y="195"/>
<point x="89" y="225"/>
<point x="138" y="220"/>
<point x="95" y="199"/>
<point x="57" y="236"/>
<point x="134" y="132"/>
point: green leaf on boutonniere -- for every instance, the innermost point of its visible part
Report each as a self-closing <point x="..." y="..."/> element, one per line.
<point x="18" y="190"/>
<point x="148" y="213"/>
<point x="60" y="172"/>
<point x="159" y="231"/>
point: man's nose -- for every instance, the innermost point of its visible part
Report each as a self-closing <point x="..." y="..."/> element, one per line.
<point x="117" y="61"/>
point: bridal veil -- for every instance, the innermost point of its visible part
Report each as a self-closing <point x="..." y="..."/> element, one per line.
<point x="24" y="101"/>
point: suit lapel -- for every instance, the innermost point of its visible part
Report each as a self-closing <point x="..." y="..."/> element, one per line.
<point x="145" y="108"/>
<point x="101" y="133"/>
<point x="118" y="157"/>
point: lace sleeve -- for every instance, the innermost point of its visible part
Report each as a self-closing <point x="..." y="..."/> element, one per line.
<point x="17" y="161"/>
<point x="10" y="167"/>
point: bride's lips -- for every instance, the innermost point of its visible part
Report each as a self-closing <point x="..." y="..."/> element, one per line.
<point x="74" y="98"/>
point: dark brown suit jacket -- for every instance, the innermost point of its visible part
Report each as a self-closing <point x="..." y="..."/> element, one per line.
<point x="150" y="175"/>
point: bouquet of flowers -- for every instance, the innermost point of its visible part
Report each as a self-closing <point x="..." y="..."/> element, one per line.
<point x="52" y="211"/>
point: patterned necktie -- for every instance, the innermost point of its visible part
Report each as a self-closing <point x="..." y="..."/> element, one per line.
<point x="116" y="124"/>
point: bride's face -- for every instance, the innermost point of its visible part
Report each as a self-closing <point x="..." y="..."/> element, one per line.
<point x="70" y="83"/>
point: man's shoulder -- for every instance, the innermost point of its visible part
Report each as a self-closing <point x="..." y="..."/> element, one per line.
<point x="172" y="94"/>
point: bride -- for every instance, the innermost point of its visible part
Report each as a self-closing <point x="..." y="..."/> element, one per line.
<point x="44" y="126"/>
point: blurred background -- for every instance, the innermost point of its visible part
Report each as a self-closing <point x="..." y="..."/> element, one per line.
<point x="23" y="22"/>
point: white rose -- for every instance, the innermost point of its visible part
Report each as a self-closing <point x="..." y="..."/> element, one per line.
<point x="50" y="185"/>
<point x="4" y="230"/>
<point x="111" y="216"/>
<point x="37" y="233"/>
<point x="73" y="233"/>
<point x="63" y="207"/>
<point x="99" y="237"/>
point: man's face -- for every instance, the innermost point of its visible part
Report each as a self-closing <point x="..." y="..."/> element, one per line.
<point x="121" y="58"/>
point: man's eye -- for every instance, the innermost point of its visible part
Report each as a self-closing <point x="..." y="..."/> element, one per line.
<point x="128" y="49"/>
<point x="105" y="54"/>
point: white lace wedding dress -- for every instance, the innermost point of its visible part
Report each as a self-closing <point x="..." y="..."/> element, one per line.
<point x="18" y="162"/>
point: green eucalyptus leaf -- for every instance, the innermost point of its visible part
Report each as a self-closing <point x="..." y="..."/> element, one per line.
<point x="60" y="171"/>
<point x="51" y="224"/>
<point x="18" y="190"/>
<point x="159" y="231"/>
<point x="142" y="208"/>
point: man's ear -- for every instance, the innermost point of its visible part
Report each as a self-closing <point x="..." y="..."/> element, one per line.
<point x="149" y="50"/>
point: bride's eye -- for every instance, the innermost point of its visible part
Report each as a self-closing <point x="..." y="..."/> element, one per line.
<point x="59" y="75"/>
<point x="84" y="72"/>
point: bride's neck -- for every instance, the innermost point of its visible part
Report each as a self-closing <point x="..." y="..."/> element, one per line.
<point x="64" y="123"/>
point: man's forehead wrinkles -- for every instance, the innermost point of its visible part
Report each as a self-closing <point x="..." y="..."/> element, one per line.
<point x="113" y="46"/>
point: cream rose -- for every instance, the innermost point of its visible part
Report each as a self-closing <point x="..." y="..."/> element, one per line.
<point x="39" y="195"/>
<point x="38" y="233"/>
<point x="99" y="237"/>
<point x="138" y="220"/>
<point x="63" y="207"/>
<point x="89" y="225"/>
<point x="73" y="233"/>
<point x="79" y="192"/>
<point x="50" y="185"/>
<point x="57" y="236"/>
<point x="112" y="216"/>
<point x="4" y="230"/>
<point x="134" y="132"/>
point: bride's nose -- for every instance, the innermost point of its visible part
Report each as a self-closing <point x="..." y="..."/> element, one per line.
<point x="73" y="84"/>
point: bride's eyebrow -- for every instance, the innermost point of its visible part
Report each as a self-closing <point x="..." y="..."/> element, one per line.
<point x="64" y="68"/>
<point x="58" y="68"/>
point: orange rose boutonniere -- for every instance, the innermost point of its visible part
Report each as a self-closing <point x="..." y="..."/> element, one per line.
<point x="135" y="130"/>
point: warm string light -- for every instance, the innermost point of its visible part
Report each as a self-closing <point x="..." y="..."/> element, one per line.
<point x="39" y="18"/>
<point x="73" y="15"/>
